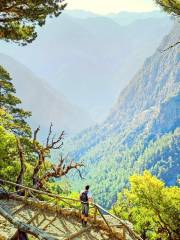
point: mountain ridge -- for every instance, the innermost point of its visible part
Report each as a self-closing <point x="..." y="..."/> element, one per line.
<point x="146" y="113"/>
<point x="91" y="60"/>
<point x="52" y="106"/>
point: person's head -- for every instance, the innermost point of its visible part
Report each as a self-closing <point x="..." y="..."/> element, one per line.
<point x="87" y="187"/>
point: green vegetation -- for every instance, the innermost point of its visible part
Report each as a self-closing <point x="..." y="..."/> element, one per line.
<point x="10" y="103"/>
<point x="141" y="132"/>
<point x="152" y="207"/>
<point x="112" y="152"/>
<point x="19" y="18"/>
<point x="170" y="6"/>
<point x="110" y="163"/>
<point x="23" y="159"/>
<point x="13" y="125"/>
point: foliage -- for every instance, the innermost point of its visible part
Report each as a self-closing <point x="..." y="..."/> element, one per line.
<point x="152" y="207"/>
<point x="8" y="155"/>
<point x="18" y="19"/>
<point x="141" y="132"/>
<point x="24" y="159"/>
<point x="170" y="6"/>
<point x="110" y="163"/>
<point x="12" y="125"/>
<point x="9" y="102"/>
<point x="20" y="155"/>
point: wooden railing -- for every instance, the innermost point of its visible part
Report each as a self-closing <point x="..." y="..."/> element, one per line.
<point x="97" y="212"/>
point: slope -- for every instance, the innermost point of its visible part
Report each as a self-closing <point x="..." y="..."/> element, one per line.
<point x="91" y="59"/>
<point x="46" y="104"/>
<point x="142" y="130"/>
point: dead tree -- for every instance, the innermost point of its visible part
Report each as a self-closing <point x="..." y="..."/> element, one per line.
<point x="42" y="151"/>
<point x="61" y="169"/>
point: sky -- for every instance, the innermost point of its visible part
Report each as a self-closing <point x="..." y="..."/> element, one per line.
<point x="112" y="6"/>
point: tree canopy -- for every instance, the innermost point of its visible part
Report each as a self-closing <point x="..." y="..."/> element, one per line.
<point x="10" y="104"/>
<point x="19" y="18"/>
<point x="22" y="157"/>
<point x="152" y="207"/>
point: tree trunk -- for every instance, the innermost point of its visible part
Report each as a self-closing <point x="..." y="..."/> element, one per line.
<point x="22" y="162"/>
<point x="35" y="177"/>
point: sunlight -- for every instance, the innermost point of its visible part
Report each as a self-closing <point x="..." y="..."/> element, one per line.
<point x="113" y="6"/>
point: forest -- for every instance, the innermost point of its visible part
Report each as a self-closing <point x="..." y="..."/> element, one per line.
<point x="141" y="161"/>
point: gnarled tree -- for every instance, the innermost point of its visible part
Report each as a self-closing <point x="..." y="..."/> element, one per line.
<point x="57" y="170"/>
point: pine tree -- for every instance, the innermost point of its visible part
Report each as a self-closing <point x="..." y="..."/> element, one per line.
<point x="9" y="103"/>
<point x="170" y="6"/>
<point x="19" y="18"/>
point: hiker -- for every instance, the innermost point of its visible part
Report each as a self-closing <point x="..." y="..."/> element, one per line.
<point x="85" y="198"/>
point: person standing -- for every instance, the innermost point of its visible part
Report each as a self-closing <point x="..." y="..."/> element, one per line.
<point x="86" y="199"/>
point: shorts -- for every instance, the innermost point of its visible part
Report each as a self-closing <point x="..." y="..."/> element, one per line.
<point x="85" y="209"/>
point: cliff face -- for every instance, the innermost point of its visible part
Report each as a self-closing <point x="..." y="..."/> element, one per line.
<point x="142" y="130"/>
<point x="157" y="81"/>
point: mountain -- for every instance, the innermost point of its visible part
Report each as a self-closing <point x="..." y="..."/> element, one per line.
<point x="126" y="18"/>
<point x="123" y="18"/>
<point x="82" y="14"/>
<point x="47" y="104"/>
<point x="91" y="59"/>
<point x="141" y="132"/>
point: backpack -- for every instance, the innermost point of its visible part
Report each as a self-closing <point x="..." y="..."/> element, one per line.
<point x="84" y="196"/>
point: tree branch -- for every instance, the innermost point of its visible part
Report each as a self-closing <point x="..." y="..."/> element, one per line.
<point x="42" y="152"/>
<point x="171" y="46"/>
<point x="49" y="135"/>
<point x="35" y="134"/>
<point x="61" y="170"/>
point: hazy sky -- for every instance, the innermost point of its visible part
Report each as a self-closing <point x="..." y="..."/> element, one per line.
<point x="111" y="6"/>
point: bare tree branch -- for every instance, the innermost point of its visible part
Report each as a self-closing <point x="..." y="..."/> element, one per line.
<point x="49" y="134"/>
<point x="60" y="170"/>
<point x="57" y="170"/>
<point x="42" y="151"/>
<point x="35" y="134"/>
<point x="80" y="174"/>
<point x="56" y="144"/>
<point x="171" y="46"/>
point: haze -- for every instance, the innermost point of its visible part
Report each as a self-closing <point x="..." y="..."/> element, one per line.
<point x="113" y="6"/>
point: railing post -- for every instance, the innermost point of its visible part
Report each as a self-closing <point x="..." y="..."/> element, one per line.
<point x="26" y="194"/>
<point x="124" y="233"/>
<point x="110" y="229"/>
<point x="95" y="212"/>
